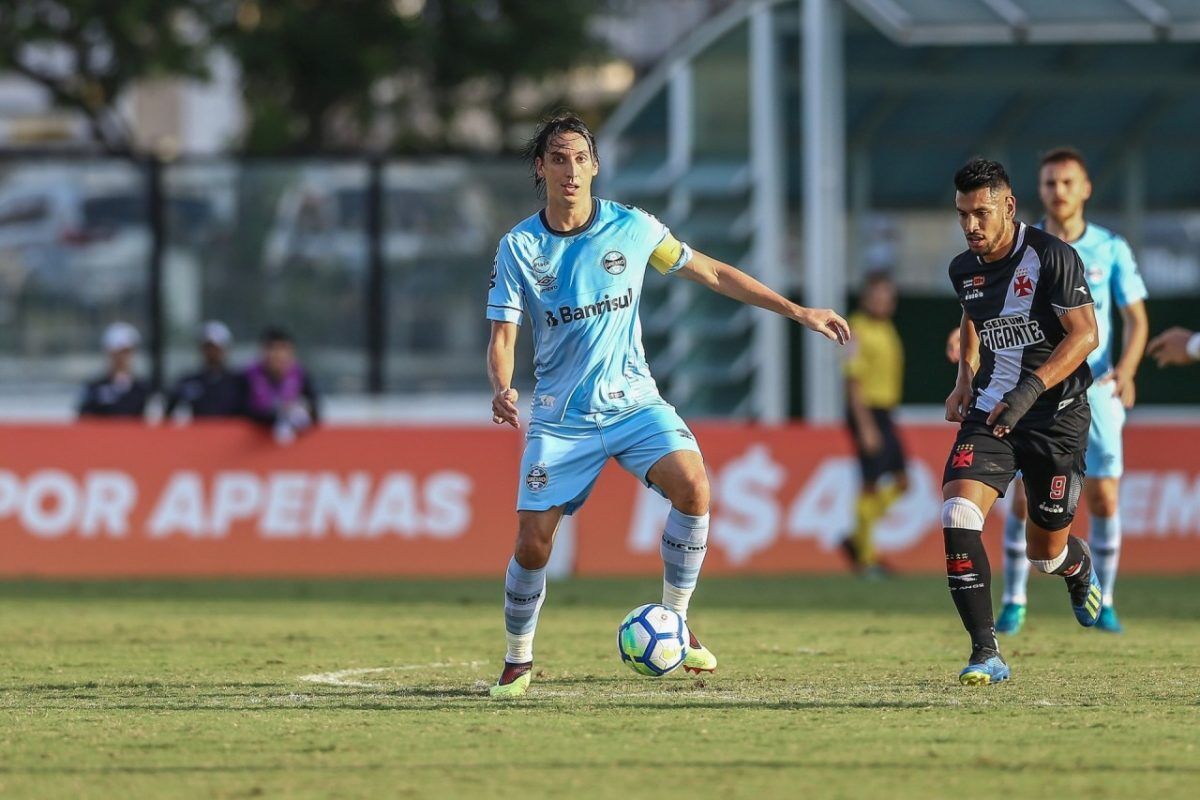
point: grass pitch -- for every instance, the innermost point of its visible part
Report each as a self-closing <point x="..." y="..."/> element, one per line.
<point x="828" y="687"/>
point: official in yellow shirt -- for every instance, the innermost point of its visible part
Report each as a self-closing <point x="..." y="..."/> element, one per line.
<point x="874" y="376"/>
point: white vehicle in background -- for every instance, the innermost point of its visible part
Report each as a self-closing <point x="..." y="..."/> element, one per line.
<point x="437" y="244"/>
<point x="429" y="211"/>
<point x="81" y="236"/>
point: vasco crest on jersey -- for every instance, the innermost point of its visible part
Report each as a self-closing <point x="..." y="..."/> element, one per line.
<point x="963" y="456"/>
<point x="1022" y="285"/>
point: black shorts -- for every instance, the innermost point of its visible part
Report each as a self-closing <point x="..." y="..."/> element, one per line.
<point x="890" y="458"/>
<point x="1050" y="457"/>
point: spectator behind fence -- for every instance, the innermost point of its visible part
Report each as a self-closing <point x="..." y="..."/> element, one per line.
<point x="118" y="393"/>
<point x="214" y="390"/>
<point x="279" y="392"/>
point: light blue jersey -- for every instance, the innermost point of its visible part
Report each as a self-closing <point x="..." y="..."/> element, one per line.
<point x="1113" y="277"/>
<point x="582" y="291"/>
<point x="594" y="398"/>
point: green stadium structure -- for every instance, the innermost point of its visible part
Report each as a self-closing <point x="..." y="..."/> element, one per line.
<point x="780" y="117"/>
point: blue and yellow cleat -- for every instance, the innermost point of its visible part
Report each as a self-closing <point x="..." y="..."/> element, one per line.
<point x="1012" y="617"/>
<point x="1085" y="593"/>
<point x="1108" y="620"/>
<point x="513" y="682"/>
<point x="985" y="670"/>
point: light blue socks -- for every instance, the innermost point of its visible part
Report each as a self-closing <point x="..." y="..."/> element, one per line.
<point x="1105" y="540"/>
<point x="524" y="593"/>
<point x="684" y="543"/>
<point x="1016" y="565"/>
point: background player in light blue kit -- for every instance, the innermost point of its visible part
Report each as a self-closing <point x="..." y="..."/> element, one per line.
<point x="576" y="270"/>
<point x="1113" y="278"/>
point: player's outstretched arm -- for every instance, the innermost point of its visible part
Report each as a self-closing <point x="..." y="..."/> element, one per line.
<point x="737" y="285"/>
<point x="1081" y="338"/>
<point x="1175" y="346"/>
<point x="501" y="357"/>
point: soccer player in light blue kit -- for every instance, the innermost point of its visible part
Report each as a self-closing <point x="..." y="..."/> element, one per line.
<point x="576" y="270"/>
<point x="1113" y="278"/>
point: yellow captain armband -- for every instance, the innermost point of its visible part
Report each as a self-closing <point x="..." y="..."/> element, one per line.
<point x="667" y="256"/>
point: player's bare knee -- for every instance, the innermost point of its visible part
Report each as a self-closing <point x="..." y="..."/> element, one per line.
<point x="1043" y="543"/>
<point x="687" y="490"/>
<point x="1102" y="501"/>
<point x="692" y="497"/>
<point x="535" y="539"/>
<point x="981" y="495"/>
<point x="1103" y="507"/>
<point x="532" y="552"/>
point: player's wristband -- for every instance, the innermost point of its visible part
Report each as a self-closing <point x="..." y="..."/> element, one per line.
<point x="1193" y="347"/>
<point x="1020" y="399"/>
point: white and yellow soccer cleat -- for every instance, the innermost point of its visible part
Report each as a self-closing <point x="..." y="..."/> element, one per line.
<point x="699" y="658"/>
<point x="513" y="681"/>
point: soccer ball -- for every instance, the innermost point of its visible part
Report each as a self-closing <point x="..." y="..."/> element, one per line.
<point x="652" y="640"/>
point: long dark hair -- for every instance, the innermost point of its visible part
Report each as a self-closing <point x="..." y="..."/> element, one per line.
<point x="547" y="129"/>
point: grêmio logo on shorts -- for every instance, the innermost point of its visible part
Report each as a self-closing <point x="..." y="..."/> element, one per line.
<point x="1010" y="333"/>
<point x="569" y="314"/>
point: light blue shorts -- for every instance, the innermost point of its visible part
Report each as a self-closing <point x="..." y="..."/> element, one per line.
<point x="1105" y="456"/>
<point x="563" y="459"/>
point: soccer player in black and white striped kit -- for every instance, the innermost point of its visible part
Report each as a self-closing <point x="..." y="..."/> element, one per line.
<point x="1026" y="330"/>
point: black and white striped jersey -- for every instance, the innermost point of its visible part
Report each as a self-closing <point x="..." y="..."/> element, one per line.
<point x="1015" y="304"/>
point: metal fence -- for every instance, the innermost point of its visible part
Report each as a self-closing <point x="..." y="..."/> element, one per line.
<point x="377" y="267"/>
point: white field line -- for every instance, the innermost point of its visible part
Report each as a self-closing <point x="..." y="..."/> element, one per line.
<point x="537" y="692"/>
<point x="345" y="678"/>
<point x="342" y="677"/>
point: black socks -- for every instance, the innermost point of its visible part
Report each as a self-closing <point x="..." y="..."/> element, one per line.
<point x="970" y="579"/>
<point x="1076" y="564"/>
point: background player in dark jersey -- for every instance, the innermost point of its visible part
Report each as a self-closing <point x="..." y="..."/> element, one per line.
<point x="1028" y="325"/>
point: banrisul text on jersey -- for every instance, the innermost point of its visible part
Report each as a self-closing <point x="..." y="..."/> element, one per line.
<point x="582" y="290"/>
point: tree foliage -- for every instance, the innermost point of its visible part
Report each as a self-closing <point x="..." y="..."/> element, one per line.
<point x="309" y="64"/>
<point x="301" y="61"/>
<point x="503" y="41"/>
<point x="316" y="74"/>
<point x="87" y="52"/>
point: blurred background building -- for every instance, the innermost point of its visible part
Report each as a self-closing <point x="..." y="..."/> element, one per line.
<point x="182" y="160"/>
